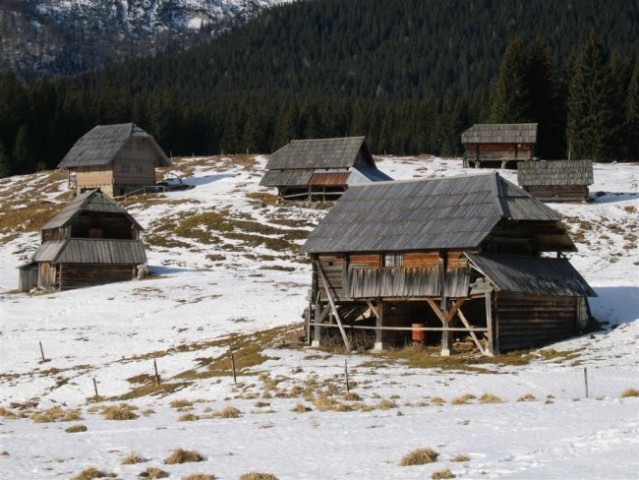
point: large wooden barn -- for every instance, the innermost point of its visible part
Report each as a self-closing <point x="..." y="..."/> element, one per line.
<point x="499" y="145"/>
<point x="556" y="180"/>
<point x="320" y="169"/>
<point x="117" y="159"/>
<point x="92" y="241"/>
<point x="474" y="257"/>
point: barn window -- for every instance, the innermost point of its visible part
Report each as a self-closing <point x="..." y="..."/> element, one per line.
<point x="393" y="259"/>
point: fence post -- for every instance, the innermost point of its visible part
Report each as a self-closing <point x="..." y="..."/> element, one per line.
<point x="233" y="368"/>
<point x="42" y="352"/>
<point x="157" y="375"/>
<point x="586" y="380"/>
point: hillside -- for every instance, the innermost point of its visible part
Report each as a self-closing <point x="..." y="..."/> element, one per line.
<point x="44" y="38"/>
<point x="226" y="276"/>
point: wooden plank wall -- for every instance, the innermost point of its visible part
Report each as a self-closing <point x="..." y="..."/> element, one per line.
<point x="333" y="267"/>
<point x="559" y="193"/>
<point x="498" y="151"/>
<point x="95" y="177"/>
<point x="77" y="276"/>
<point x="525" y="320"/>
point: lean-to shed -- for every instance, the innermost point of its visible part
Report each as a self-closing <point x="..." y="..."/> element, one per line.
<point x="472" y="256"/>
<point x="499" y="145"/>
<point x="117" y="159"/>
<point x="320" y="169"/>
<point x="92" y="241"/>
<point x="556" y="180"/>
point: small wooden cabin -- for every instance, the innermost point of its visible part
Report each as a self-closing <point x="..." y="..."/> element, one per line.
<point x="442" y="259"/>
<point x="92" y="241"/>
<point x="320" y="169"/>
<point x="499" y="145"/>
<point x="556" y="180"/>
<point x="117" y="159"/>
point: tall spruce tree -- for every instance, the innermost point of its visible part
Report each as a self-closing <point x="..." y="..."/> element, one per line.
<point x="511" y="103"/>
<point x="632" y="115"/>
<point x="591" y="116"/>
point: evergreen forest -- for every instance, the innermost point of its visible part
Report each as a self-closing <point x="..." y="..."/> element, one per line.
<point x="410" y="75"/>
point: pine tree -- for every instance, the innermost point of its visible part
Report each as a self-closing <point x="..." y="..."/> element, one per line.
<point x="590" y="121"/>
<point x="5" y="166"/>
<point x="24" y="159"/>
<point x="632" y="115"/>
<point x="511" y="102"/>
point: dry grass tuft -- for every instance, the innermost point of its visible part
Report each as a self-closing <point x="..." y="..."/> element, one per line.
<point x="462" y="457"/>
<point x="352" y="397"/>
<point x="257" y="476"/>
<point x="56" y="414"/>
<point x="8" y="414"/>
<point x="490" y="398"/>
<point x="188" y="417"/>
<point x="421" y="456"/>
<point x="4" y="453"/>
<point x="464" y="399"/>
<point x="153" y="472"/>
<point x="529" y="397"/>
<point x="439" y="401"/>
<point x="133" y="458"/>
<point x="229" y="412"/>
<point x="92" y="472"/>
<point x="181" y="403"/>
<point x="442" y="475"/>
<point x="76" y="428"/>
<point x="124" y="411"/>
<point x="199" y="476"/>
<point x="301" y="408"/>
<point x="629" y="392"/>
<point x="183" y="456"/>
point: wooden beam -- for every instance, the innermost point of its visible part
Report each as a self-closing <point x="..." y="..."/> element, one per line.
<point x="405" y="329"/>
<point x="329" y="294"/>
<point x="472" y="334"/>
<point x="493" y="347"/>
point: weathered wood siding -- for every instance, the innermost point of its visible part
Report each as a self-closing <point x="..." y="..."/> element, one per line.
<point x="559" y="193"/>
<point x="95" y="177"/>
<point x="47" y="275"/>
<point x="485" y="152"/>
<point x="135" y="164"/>
<point x="77" y="276"/>
<point x="333" y="268"/>
<point x="525" y="320"/>
<point x="28" y="277"/>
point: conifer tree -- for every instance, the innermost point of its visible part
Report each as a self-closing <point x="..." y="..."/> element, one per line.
<point x="590" y="121"/>
<point x="5" y="167"/>
<point x="24" y="160"/>
<point x="632" y="115"/>
<point x="511" y="102"/>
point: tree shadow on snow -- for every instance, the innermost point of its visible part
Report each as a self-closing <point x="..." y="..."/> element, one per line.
<point x="159" y="270"/>
<point x="610" y="197"/>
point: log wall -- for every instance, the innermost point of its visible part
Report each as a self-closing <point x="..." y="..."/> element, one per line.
<point x="559" y="193"/>
<point x="525" y="320"/>
<point x="77" y="276"/>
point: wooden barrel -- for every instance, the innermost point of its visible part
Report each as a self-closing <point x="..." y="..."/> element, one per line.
<point x="418" y="336"/>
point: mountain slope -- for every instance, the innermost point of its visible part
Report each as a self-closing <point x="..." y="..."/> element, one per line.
<point x="52" y="37"/>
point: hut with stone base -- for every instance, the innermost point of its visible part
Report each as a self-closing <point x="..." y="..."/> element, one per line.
<point x="472" y="259"/>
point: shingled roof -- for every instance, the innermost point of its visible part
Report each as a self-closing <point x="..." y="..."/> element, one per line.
<point x="317" y="153"/>
<point x="91" y="201"/>
<point x="102" y="144"/>
<point x="92" y="251"/>
<point x="501" y="133"/>
<point x="454" y="212"/>
<point x="555" y="172"/>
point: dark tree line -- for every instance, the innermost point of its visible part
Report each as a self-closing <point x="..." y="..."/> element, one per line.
<point x="331" y="68"/>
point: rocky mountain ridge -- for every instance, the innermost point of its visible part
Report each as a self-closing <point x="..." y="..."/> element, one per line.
<point x="41" y="38"/>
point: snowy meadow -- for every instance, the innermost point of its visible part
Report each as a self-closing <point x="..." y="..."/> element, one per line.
<point x="119" y="379"/>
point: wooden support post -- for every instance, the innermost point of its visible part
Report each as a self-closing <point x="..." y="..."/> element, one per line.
<point x="329" y="294"/>
<point x="348" y="389"/>
<point x="233" y="368"/>
<point x="95" y="388"/>
<point x="317" y="332"/>
<point x="379" y="341"/>
<point x="157" y="375"/>
<point x="472" y="334"/>
<point x="42" y="352"/>
<point x="447" y="339"/>
<point x="493" y="347"/>
<point x="586" y="380"/>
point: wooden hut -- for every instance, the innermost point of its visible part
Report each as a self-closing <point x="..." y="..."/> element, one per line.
<point x="92" y="241"/>
<point x="117" y="159"/>
<point x="320" y="169"/>
<point x="467" y="257"/>
<point x="499" y="145"/>
<point x="556" y="180"/>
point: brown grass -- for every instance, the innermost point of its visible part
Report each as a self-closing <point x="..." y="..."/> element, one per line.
<point x="183" y="456"/>
<point x="56" y="414"/>
<point x="132" y="459"/>
<point x="124" y="411"/>
<point x="301" y="408"/>
<point x="464" y="399"/>
<point x="92" y="472"/>
<point x="629" y="392"/>
<point x="442" y="475"/>
<point x="228" y="412"/>
<point x="490" y="398"/>
<point x="181" y="403"/>
<point x="76" y="428"/>
<point x="8" y="414"/>
<point x="257" y="476"/>
<point x="153" y="472"/>
<point x="528" y="397"/>
<point x="188" y="417"/>
<point x="462" y="457"/>
<point x="199" y="476"/>
<point x="421" y="456"/>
